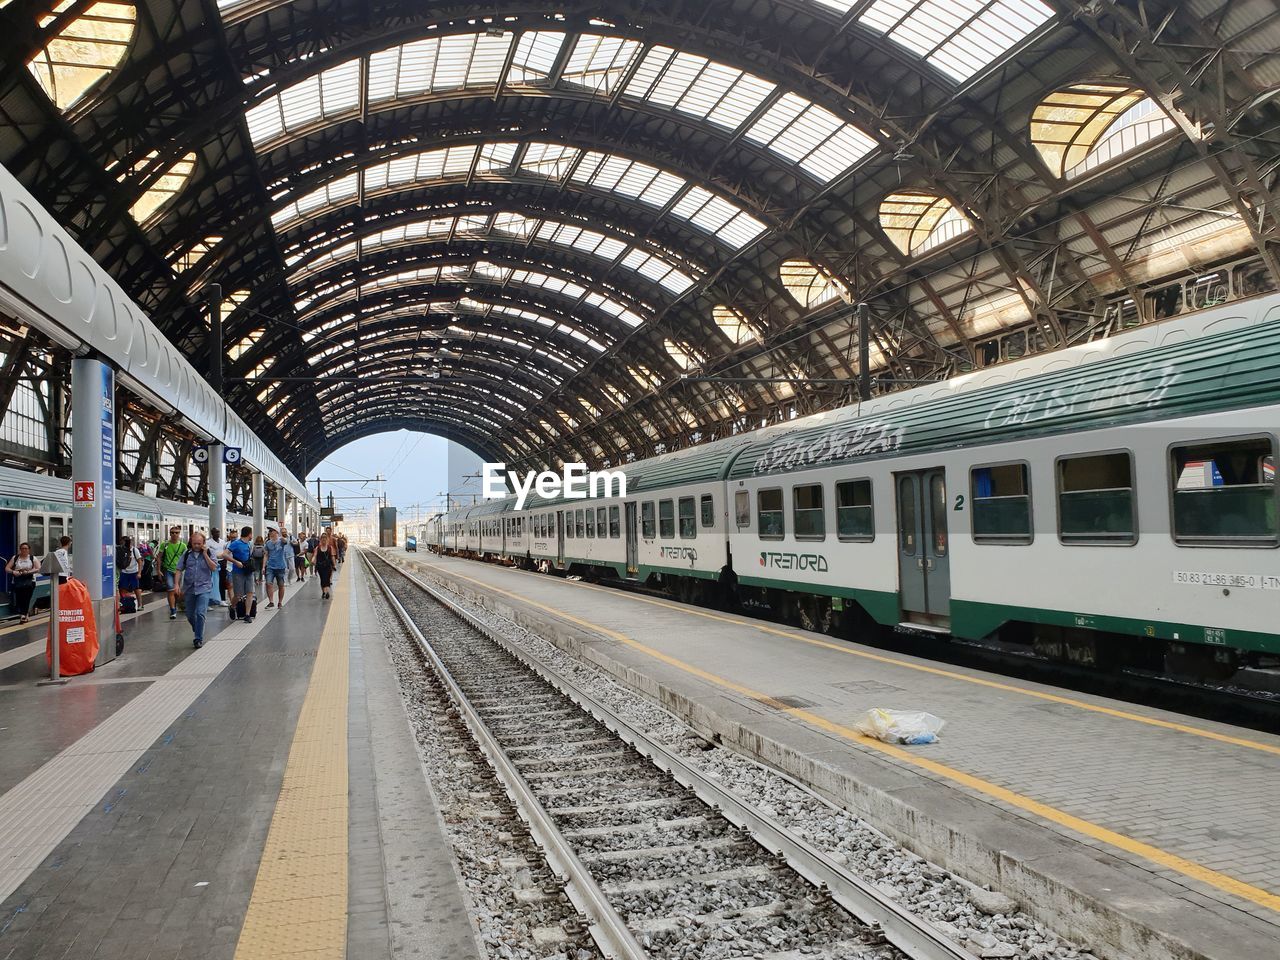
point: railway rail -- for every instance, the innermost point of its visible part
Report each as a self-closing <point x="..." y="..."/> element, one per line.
<point x="659" y="860"/>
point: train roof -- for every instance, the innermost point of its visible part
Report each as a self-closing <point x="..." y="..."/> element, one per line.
<point x="1168" y="373"/>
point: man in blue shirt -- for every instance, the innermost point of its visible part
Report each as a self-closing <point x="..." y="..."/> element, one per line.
<point x="243" y="588"/>
<point x="194" y="580"/>
<point x="279" y="561"/>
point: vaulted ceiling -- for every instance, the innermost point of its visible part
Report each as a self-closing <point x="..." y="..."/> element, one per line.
<point x="593" y="231"/>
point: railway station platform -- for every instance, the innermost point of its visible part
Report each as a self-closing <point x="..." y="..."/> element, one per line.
<point x="1116" y="824"/>
<point x="247" y="800"/>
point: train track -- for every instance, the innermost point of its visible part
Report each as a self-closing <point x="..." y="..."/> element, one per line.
<point x="659" y="860"/>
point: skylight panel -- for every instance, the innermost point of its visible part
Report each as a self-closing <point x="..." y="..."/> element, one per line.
<point x="599" y="63"/>
<point x="535" y="56"/>
<point x="718" y="217"/>
<point x="162" y="189"/>
<point x="810" y="285"/>
<point x="810" y="135"/>
<point x="696" y="86"/>
<point x="733" y="324"/>
<point x="198" y="252"/>
<point x="615" y="309"/>
<point x="323" y="96"/>
<point x="334" y="194"/>
<point x="959" y="37"/>
<point x="658" y="270"/>
<point x="629" y="178"/>
<point x="437" y="64"/>
<point x="549" y="160"/>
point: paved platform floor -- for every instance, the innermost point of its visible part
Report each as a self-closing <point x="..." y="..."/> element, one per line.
<point x="261" y="797"/>
<point x="1121" y="818"/>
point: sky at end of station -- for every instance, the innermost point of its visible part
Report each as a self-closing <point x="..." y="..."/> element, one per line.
<point x="419" y="468"/>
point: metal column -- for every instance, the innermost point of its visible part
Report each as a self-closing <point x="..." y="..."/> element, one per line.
<point x="259" y="504"/>
<point x="281" y="501"/>
<point x="217" y="470"/>
<point x="294" y="525"/>
<point x="93" y="476"/>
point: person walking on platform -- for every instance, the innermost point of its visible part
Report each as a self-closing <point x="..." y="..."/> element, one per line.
<point x="325" y="557"/>
<point x="218" y="546"/>
<point x="299" y="556"/>
<point x="129" y="563"/>
<point x="244" y="589"/>
<point x="279" y="563"/>
<point x="194" y="581"/>
<point x="170" y="556"/>
<point x="22" y="568"/>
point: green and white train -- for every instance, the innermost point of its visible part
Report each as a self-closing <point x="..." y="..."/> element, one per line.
<point x="1110" y="503"/>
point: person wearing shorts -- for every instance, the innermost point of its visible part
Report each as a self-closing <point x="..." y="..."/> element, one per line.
<point x="170" y="556"/>
<point x="279" y="560"/>
<point x="243" y="575"/>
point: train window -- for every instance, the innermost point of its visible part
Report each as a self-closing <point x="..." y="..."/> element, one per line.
<point x="907" y="514"/>
<point x="1209" y="290"/>
<point x="742" y="509"/>
<point x="615" y="523"/>
<point x="591" y="522"/>
<point x="568" y="526"/>
<point x="708" y="510"/>
<point x="1164" y="301"/>
<point x="1252" y="278"/>
<point x="35" y="535"/>
<point x="688" y="518"/>
<point x="807" y="509"/>
<point x="773" y="522"/>
<point x="648" y="529"/>
<point x="853" y="510"/>
<point x="1224" y="493"/>
<point x="579" y="524"/>
<point x="57" y="528"/>
<point x="1001" y="499"/>
<point x="1095" y="499"/>
<point x="938" y="513"/>
<point x="666" y="519"/>
<point x="601" y="521"/>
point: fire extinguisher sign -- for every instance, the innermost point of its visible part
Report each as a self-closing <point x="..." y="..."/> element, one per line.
<point x="86" y="493"/>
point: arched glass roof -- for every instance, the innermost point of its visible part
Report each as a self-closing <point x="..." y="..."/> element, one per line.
<point x="515" y="226"/>
<point x="739" y="103"/>
<point x="482" y="270"/>
<point x="918" y="222"/>
<point x="609" y="173"/>
<point x="162" y="189"/>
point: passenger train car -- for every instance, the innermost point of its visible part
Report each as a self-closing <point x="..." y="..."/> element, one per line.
<point x="1110" y="503"/>
<point x="37" y="508"/>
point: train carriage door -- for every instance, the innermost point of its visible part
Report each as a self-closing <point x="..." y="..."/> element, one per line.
<point x="633" y="545"/>
<point x="560" y="522"/>
<point x="924" y="546"/>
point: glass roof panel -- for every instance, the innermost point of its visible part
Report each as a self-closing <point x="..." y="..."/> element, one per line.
<point x="438" y="64"/>
<point x="733" y="324"/>
<point x="959" y="37"/>
<point x="162" y="189"/>
<point x="810" y="286"/>
<point x="919" y="222"/>
<point x="599" y="63"/>
<point x="198" y="251"/>
<point x="810" y="135"/>
<point x="324" y="96"/>
<point x="1081" y="127"/>
<point x="86" y="49"/>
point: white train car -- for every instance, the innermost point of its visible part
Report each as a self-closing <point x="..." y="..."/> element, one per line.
<point x="1114" y="501"/>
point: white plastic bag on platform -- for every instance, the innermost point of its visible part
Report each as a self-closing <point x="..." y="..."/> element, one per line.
<point x="900" y="726"/>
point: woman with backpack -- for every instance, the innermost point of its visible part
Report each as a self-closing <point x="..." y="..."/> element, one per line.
<point x="129" y="563"/>
<point x="22" y="569"/>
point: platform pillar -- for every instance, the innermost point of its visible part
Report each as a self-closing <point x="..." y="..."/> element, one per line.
<point x="259" y="505"/>
<point x="217" y="484"/>
<point x="281" y="502"/>
<point x="93" y="476"/>
<point x="294" y="525"/>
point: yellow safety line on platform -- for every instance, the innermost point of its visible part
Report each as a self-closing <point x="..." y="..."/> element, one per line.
<point x="299" y="903"/>
<point x="1162" y="858"/>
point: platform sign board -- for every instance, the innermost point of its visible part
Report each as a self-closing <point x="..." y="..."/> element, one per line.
<point x="93" y="475"/>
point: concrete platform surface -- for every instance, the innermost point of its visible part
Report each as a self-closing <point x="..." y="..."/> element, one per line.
<point x="154" y="809"/>
<point x="1117" y="824"/>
